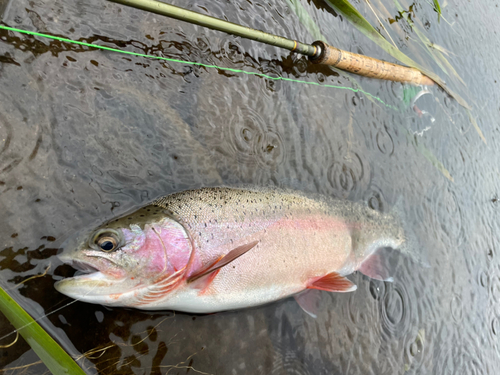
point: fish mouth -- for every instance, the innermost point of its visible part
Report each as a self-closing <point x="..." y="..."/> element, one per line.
<point x="88" y="278"/>
<point x="82" y="268"/>
<point x="92" y="283"/>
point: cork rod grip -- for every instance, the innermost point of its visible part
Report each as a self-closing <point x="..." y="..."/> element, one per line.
<point x="368" y="66"/>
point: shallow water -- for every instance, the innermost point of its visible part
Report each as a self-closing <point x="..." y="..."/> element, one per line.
<point x="86" y="135"/>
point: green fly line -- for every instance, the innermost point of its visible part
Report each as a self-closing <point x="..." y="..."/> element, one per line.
<point x="279" y="78"/>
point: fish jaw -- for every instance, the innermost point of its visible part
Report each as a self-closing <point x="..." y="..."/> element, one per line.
<point x="146" y="261"/>
<point x="97" y="284"/>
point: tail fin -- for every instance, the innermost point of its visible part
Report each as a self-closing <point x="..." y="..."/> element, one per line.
<point x="411" y="246"/>
<point x="382" y="262"/>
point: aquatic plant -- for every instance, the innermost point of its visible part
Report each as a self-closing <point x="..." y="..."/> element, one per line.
<point x="49" y="351"/>
<point x="350" y="13"/>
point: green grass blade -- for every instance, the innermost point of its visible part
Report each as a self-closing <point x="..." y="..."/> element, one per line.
<point x="49" y="351"/>
<point x="312" y="27"/>
<point x="476" y="126"/>
<point x="437" y="8"/>
<point x="306" y="20"/>
<point x="434" y="52"/>
<point x="352" y="15"/>
<point x="427" y="154"/>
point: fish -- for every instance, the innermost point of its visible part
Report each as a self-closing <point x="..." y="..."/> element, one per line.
<point x="220" y="248"/>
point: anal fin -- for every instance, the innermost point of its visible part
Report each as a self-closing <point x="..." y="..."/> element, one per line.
<point x="332" y="282"/>
<point x="376" y="266"/>
<point x="309" y="301"/>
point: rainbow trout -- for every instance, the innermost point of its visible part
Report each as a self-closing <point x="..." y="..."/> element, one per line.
<point x="216" y="249"/>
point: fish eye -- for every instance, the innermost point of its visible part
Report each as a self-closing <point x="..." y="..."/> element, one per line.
<point x="106" y="240"/>
<point x="107" y="243"/>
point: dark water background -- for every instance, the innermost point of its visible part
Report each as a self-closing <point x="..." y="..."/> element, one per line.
<point x="86" y="135"/>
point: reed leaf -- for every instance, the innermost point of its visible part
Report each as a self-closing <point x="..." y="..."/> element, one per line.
<point x="306" y="20"/>
<point x="437" y="8"/>
<point x="312" y="27"/>
<point x="352" y="15"/>
<point x="435" y="52"/>
<point x="49" y="351"/>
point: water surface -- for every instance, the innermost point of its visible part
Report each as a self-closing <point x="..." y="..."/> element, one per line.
<point x="86" y="135"/>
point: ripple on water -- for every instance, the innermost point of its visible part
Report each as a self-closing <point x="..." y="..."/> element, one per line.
<point x="251" y="141"/>
<point x="446" y="206"/>
<point x="349" y="173"/>
<point x="495" y="327"/>
<point x="495" y="290"/>
<point x="484" y="279"/>
<point x="395" y="310"/>
<point x="461" y="360"/>
<point x="376" y="198"/>
<point x="19" y="143"/>
<point x="456" y="308"/>
<point x="417" y="354"/>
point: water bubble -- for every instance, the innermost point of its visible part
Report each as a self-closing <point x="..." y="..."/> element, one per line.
<point x="269" y="149"/>
<point x="415" y="350"/>
<point x="245" y="134"/>
<point x="375" y="198"/>
<point x="375" y="289"/>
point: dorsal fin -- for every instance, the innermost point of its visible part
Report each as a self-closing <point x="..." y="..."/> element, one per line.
<point x="224" y="261"/>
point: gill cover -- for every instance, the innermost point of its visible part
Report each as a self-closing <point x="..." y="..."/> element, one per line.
<point x="135" y="260"/>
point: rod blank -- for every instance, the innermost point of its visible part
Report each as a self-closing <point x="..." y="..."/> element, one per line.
<point x="319" y="52"/>
<point x="173" y="11"/>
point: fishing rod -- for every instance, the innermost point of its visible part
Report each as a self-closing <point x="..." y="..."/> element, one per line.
<point x="318" y="52"/>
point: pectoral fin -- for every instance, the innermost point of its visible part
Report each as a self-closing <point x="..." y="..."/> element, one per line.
<point x="331" y="282"/>
<point x="224" y="261"/>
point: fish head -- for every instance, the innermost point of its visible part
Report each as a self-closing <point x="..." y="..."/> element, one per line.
<point x="123" y="258"/>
